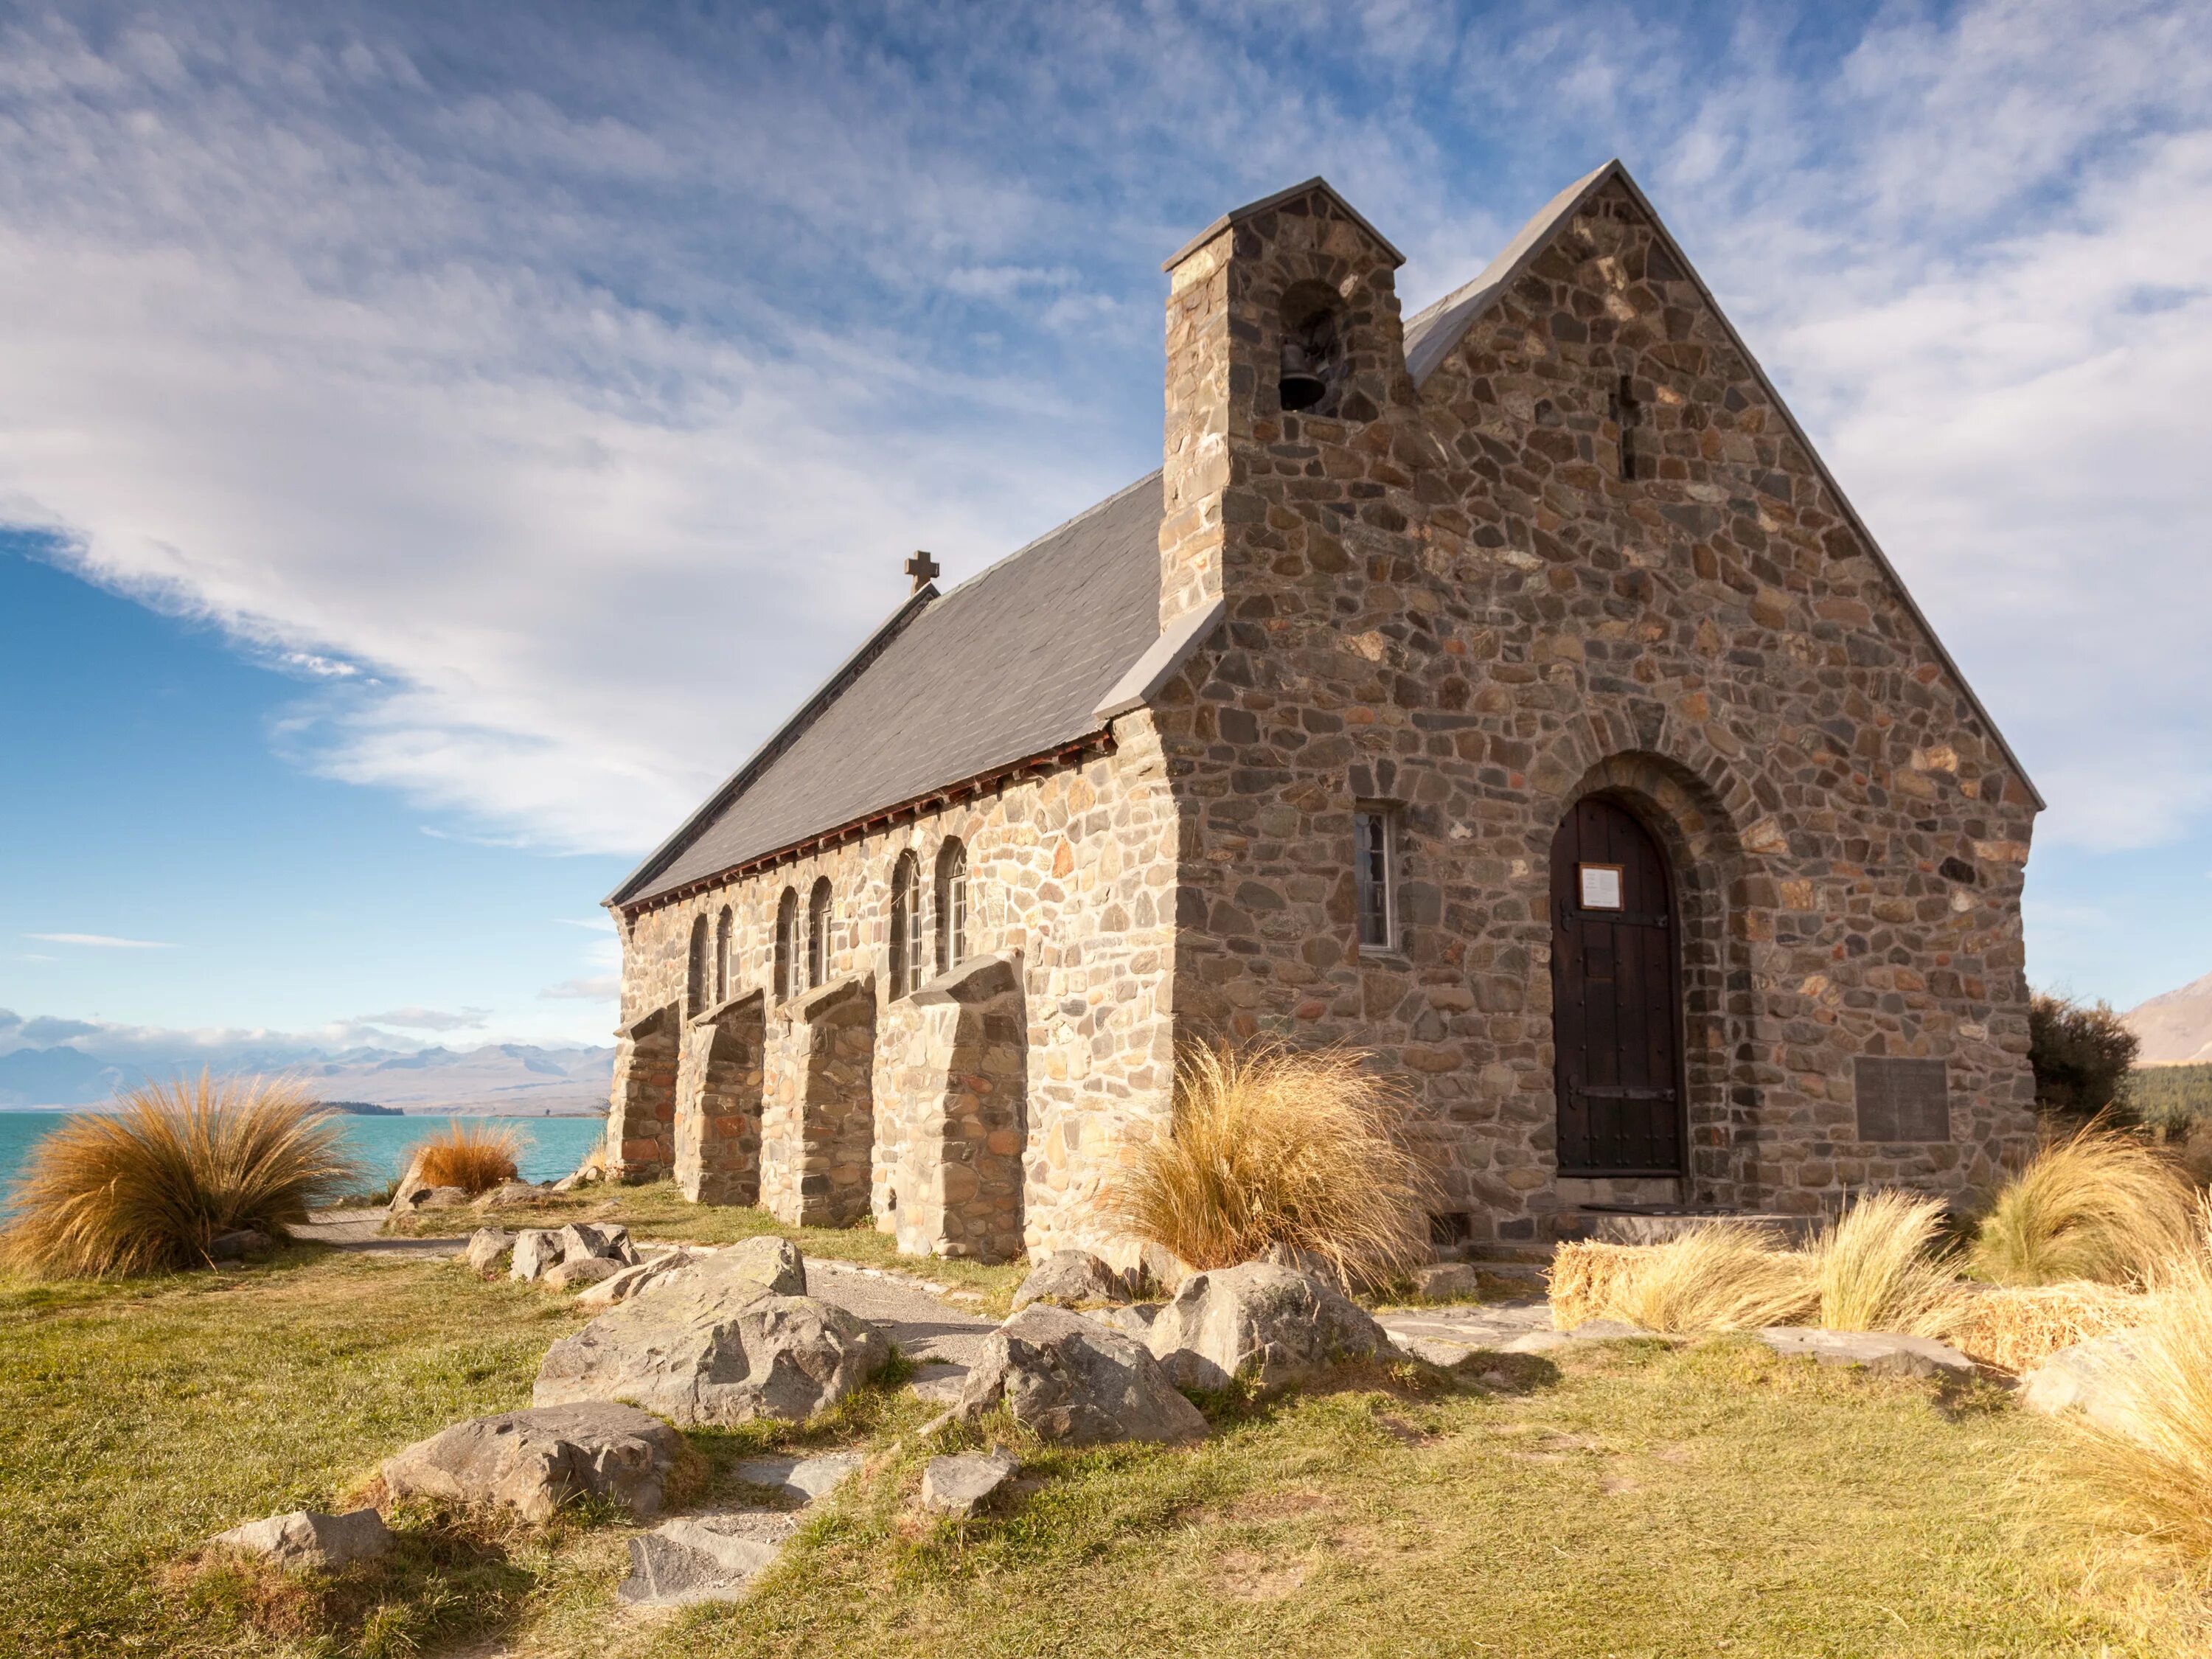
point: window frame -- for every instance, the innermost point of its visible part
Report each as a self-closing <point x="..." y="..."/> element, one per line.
<point x="905" y="949"/>
<point x="1368" y="819"/>
<point x="725" y="931"/>
<point x="786" y="941"/>
<point x="950" y="906"/>
<point x="819" y="905"/>
<point x="695" y="970"/>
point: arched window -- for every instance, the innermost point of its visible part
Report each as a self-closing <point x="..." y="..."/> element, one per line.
<point x="695" y="980"/>
<point x="817" y="935"/>
<point x="906" y="925"/>
<point x="952" y="905"/>
<point x="723" y="966"/>
<point x="786" y="944"/>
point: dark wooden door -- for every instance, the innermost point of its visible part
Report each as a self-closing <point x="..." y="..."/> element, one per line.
<point x="1616" y="997"/>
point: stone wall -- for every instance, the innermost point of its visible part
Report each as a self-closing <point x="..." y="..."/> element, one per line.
<point x="718" y="1103"/>
<point x="1455" y="601"/>
<point x="1071" y="878"/>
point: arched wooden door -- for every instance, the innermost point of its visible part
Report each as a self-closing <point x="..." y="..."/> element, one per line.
<point x="1616" y="997"/>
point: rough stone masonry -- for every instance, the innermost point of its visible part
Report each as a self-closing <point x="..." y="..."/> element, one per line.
<point x="1282" y="741"/>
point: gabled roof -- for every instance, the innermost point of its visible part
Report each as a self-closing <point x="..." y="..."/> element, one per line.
<point x="1040" y="650"/>
<point x="1009" y="665"/>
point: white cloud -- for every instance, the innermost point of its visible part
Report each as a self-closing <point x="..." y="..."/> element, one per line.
<point x="553" y="416"/>
<point x="101" y="942"/>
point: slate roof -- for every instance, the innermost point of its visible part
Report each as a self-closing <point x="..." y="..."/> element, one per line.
<point x="1015" y="662"/>
<point x="1008" y="665"/>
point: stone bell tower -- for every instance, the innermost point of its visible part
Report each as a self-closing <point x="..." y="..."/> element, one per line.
<point x="1290" y="411"/>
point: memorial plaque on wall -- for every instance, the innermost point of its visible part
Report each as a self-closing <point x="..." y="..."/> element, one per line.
<point x="1902" y="1099"/>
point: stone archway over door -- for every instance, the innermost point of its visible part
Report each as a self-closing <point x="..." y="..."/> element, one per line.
<point x="1616" y="997"/>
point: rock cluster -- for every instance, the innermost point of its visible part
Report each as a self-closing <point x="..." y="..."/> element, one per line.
<point x="1067" y="1378"/>
<point x="1271" y="1326"/>
<point x="560" y="1256"/>
<point x="717" y="1344"/>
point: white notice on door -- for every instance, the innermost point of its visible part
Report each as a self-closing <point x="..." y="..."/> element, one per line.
<point x="1600" y="886"/>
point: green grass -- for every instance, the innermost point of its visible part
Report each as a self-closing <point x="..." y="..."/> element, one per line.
<point x="656" y="1210"/>
<point x="1632" y="1500"/>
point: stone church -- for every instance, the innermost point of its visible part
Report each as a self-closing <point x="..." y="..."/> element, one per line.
<point x="1508" y="690"/>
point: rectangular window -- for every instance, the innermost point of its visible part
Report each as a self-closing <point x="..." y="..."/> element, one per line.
<point x="1375" y="838"/>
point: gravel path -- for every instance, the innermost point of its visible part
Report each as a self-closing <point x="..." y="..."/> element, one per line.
<point x="924" y="1329"/>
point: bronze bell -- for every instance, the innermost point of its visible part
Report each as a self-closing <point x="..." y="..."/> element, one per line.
<point x="1301" y="386"/>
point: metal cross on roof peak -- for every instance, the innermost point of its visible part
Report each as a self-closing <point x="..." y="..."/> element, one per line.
<point x="922" y="568"/>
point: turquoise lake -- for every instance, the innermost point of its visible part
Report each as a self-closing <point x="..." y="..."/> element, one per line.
<point x="552" y="1146"/>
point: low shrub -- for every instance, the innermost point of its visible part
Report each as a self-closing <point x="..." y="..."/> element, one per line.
<point x="475" y="1156"/>
<point x="1878" y="1267"/>
<point x="1273" y="1145"/>
<point x="2079" y="1052"/>
<point x="1721" y="1276"/>
<point x="2144" y="1468"/>
<point x="148" y="1187"/>
<point x="2099" y="1205"/>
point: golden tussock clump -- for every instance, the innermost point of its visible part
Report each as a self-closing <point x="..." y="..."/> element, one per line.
<point x="2143" y="1466"/>
<point x="1273" y="1145"/>
<point x="474" y="1157"/>
<point x="2098" y="1206"/>
<point x="148" y="1187"/>
<point x="1875" y="1267"/>
<point x="1719" y="1276"/>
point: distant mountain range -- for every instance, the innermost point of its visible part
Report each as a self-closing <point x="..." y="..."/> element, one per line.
<point x="2175" y="1027"/>
<point x="499" y="1077"/>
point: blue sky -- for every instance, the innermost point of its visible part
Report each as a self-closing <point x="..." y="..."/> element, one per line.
<point x="436" y="443"/>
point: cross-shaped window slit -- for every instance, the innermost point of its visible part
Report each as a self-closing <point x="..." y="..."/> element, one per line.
<point x="1627" y="414"/>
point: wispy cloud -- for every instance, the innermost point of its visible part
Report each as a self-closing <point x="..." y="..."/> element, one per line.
<point x="428" y="1019"/>
<point x="598" y="987"/>
<point x="103" y="941"/>
<point x="553" y="414"/>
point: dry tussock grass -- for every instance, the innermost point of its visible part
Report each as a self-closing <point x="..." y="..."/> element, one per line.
<point x="2100" y="1206"/>
<point x="475" y="1156"/>
<point x="2017" y="1327"/>
<point x="1878" y="1267"/>
<point x="148" y="1187"/>
<point x="1723" y="1276"/>
<point x="1276" y="1145"/>
<point x="2144" y="1469"/>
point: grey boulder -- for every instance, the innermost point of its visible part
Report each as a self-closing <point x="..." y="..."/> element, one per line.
<point x="1447" y="1281"/>
<point x="2086" y="1378"/>
<point x="704" y="1557"/>
<point x="441" y="1198"/>
<point x="529" y="1461"/>
<point x="307" y="1538"/>
<point x="1883" y="1353"/>
<point x="535" y="1251"/>
<point x="583" y="1239"/>
<point x="800" y="1479"/>
<point x="580" y="1270"/>
<point x="711" y="1346"/>
<point x="1069" y="1379"/>
<point x="1070" y="1278"/>
<point x="488" y="1248"/>
<point x="237" y="1245"/>
<point x="774" y="1263"/>
<point x="957" y="1486"/>
<point x="1272" y="1326"/>
<point x="629" y="1281"/>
